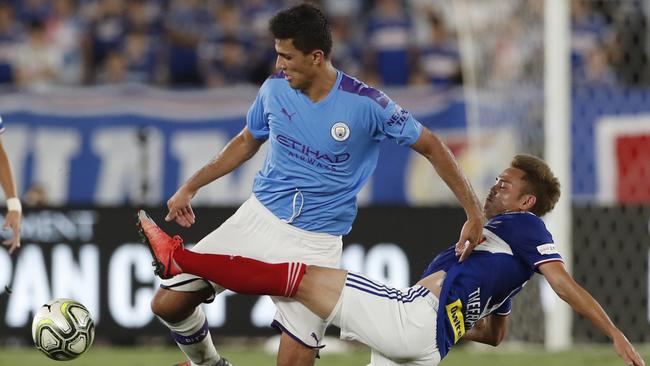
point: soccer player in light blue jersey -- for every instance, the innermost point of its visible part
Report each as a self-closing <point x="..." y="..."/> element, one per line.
<point x="323" y="129"/>
<point x="14" y="208"/>
<point x="418" y="326"/>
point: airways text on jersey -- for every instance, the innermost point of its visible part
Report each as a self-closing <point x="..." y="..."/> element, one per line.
<point x="311" y="155"/>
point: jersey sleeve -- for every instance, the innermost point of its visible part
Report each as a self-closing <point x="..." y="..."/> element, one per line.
<point x="528" y="237"/>
<point x="505" y="308"/>
<point x="396" y="123"/>
<point x="256" y="120"/>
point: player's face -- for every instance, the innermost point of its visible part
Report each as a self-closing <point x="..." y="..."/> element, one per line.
<point x="298" y="68"/>
<point x="506" y="194"/>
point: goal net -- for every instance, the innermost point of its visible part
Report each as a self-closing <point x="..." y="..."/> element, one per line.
<point x="502" y="50"/>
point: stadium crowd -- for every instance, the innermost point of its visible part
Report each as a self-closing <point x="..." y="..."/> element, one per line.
<point x="212" y="43"/>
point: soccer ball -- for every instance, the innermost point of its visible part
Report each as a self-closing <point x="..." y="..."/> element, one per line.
<point x="63" y="329"/>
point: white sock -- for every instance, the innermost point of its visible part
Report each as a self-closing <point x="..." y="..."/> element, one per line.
<point x="193" y="338"/>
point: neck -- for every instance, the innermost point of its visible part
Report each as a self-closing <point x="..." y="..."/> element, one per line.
<point x="322" y="84"/>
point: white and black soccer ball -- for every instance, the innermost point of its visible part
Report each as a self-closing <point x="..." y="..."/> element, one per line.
<point x="63" y="329"/>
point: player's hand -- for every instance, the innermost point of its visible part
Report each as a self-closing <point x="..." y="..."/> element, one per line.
<point x="12" y="221"/>
<point x="470" y="237"/>
<point x="180" y="209"/>
<point x="626" y="351"/>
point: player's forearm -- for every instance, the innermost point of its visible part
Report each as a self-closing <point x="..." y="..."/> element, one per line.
<point x="234" y="154"/>
<point x="448" y="169"/>
<point x="490" y="330"/>
<point x="584" y="304"/>
<point x="6" y="177"/>
<point x="478" y="333"/>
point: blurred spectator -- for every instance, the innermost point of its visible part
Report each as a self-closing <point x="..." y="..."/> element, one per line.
<point x="226" y="63"/>
<point x="186" y="23"/>
<point x="346" y="53"/>
<point x="257" y="14"/>
<point x="342" y="8"/>
<point x="514" y="53"/>
<point x="35" y="196"/>
<point x="145" y="16"/>
<point x="38" y="61"/>
<point x="439" y="61"/>
<point x="32" y="10"/>
<point x="390" y="44"/>
<point x="597" y="71"/>
<point x="588" y="30"/>
<point x="227" y="22"/>
<point x="140" y="57"/>
<point x="113" y="70"/>
<point x="64" y="29"/>
<point x="629" y="45"/>
<point x="106" y="35"/>
<point x="225" y="47"/>
<point x="183" y="43"/>
<point x="10" y="31"/>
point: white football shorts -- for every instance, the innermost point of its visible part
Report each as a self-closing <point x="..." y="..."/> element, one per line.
<point x="399" y="325"/>
<point x="255" y="232"/>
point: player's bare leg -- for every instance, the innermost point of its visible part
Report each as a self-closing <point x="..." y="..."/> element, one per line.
<point x="319" y="291"/>
<point x="174" y="306"/>
<point x="317" y="288"/>
<point x="181" y="311"/>
<point x="292" y="352"/>
<point x="182" y="314"/>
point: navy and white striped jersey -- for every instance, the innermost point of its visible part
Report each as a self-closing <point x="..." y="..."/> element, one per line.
<point x="513" y="246"/>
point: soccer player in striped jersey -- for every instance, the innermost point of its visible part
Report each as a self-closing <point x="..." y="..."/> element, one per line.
<point x="14" y="208"/>
<point x="419" y="325"/>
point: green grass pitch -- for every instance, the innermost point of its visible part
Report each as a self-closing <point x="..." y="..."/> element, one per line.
<point x="246" y="356"/>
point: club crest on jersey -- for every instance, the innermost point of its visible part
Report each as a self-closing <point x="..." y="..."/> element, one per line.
<point x="340" y="131"/>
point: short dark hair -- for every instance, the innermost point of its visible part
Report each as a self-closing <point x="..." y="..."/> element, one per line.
<point x="306" y="25"/>
<point x="540" y="182"/>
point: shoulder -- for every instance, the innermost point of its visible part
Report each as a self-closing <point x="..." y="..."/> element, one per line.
<point x="517" y="218"/>
<point x="276" y="75"/>
<point x="363" y="92"/>
<point x="274" y="82"/>
<point x="522" y="225"/>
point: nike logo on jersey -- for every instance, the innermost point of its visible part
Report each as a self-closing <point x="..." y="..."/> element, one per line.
<point x="286" y="113"/>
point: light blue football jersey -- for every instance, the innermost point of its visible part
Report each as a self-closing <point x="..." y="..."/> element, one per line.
<point x="321" y="154"/>
<point x="514" y="246"/>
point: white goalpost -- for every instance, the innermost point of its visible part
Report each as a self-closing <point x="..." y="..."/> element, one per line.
<point x="515" y="58"/>
<point x="557" y="152"/>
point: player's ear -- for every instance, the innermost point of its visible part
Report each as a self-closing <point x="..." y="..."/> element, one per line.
<point x="527" y="202"/>
<point x="317" y="57"/>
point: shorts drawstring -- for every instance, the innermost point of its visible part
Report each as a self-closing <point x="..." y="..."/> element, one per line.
<point x="294" y="213"/>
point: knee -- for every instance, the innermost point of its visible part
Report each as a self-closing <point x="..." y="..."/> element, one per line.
<point x="168" y="310"/>
<point x="292" y="353"/>
<point x="304" y="357"/>
<point x="160" y="309"/>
